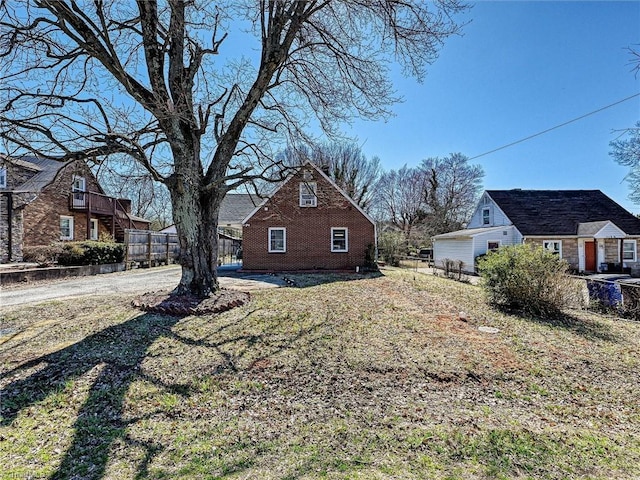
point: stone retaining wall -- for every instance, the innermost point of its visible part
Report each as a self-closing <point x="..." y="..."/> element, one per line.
<point x="52" y="273"/>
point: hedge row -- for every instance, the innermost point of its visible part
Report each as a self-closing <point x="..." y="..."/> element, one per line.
<point x="75" y="253"/>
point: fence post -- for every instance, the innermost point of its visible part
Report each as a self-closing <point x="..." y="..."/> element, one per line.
<point x="126" y="250"/>
<point x="166" y="237"/>
<point x="149" y="248"/>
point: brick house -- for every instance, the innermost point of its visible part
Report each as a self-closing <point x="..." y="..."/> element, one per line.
<point x="43" y="201"/>
<point x="308" y="223"/>
<point x="585" y="227"/>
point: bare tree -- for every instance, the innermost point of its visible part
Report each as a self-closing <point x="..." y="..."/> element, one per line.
<point x="452" y="189"/>
<point x="345" y="163"/>
<point x="626" y="152"/>
<point x="125" y="179"/>
<point x="142" y="79"/>
<point x="400" y="199"/>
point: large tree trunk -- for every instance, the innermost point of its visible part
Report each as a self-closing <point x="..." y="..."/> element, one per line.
<point x="195" y="213"/>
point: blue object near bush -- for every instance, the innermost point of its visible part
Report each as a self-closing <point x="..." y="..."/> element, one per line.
<point x="607" y="293"/>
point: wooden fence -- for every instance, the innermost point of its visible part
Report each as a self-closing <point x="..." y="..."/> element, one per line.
<point x="150" y="248"/>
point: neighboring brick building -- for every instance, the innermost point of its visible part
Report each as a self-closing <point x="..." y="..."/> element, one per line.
<point x="309" y="223"/>
<point x="43" y="201"/>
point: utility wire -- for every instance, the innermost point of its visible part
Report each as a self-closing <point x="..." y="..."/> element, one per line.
<point x="553" y="128"/>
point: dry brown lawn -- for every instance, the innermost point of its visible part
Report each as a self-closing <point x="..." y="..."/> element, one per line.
<point x="372" y="377"/>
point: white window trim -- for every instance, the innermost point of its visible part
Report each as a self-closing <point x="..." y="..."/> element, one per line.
<point x="94" y="232"/>
<point x="284" y="239"/>
<point x="71" y="227"/>
<point x="544" y="242"/>
<point x="488" y="210"/>
<point x="499" y="242"/>
<point x="346" y="240"/>
<point x="83" y="184"/>
<point x="635" y="251"/>
<point x="3" y="177"/>
<point x="308" y="199"/>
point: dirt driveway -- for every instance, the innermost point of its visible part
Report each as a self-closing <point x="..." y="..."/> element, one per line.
<point x="132" y="281"/>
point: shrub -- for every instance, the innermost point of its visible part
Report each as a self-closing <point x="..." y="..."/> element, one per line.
<point x="391" y="245"/>
<point x="91" y="253"/>
<point x="453" y="268"/>
<point x="43" y="255"/>
<point x="370" y="258"/>
<point x="528" y="278"/>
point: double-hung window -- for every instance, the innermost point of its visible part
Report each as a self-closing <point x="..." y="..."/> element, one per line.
<point x="277" y="240"/>
<point x="79" y="187"/>
<point x="493" y="245"/>
<point x="553" y="246"/>
<point x="308" y="196"/>
<point x="3" y="177"/>
<point x="486" y="216"/>
<point x="339" y="240"/>
<point x="629" y="250"/>
<point x="66" y="228"/>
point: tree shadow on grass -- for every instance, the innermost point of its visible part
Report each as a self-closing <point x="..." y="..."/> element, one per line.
<point x="315" y="278"/>
<point x="587" y="328"/>
<point x="114" y="357"/>
<point x="116" y="353"/>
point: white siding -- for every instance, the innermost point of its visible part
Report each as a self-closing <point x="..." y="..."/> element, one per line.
<point x="467" y="249"/>
<point x="454" y="249"/>
<point x="610" y="231"/>
<point x="496" y="216"/>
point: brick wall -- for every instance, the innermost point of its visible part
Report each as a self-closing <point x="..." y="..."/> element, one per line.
<point x="308" y="229"/>
<point x="42" y="216"/>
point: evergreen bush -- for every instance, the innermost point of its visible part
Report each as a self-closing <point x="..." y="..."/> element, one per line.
<point x="91" y="253"/>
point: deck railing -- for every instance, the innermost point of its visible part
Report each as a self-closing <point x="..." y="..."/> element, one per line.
<point x="96" y="203"/>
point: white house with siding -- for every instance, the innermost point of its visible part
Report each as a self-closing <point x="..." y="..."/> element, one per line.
<point x="585" y="227"/>
<point x="466" y="245"/>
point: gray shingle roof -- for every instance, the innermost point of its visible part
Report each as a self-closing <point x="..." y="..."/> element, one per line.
<point x="559" y="212"/>
<point x="47" y="170"/>
<point x="235" y="207"/>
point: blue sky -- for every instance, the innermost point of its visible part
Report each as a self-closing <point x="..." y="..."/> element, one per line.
<point x="521" y="68"/>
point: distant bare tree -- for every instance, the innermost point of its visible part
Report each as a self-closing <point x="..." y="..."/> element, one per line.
<point x="345" y="163"/>
<point x="90" y="79"/>
<point x="452" y="188"/>
<point x="400" y="199"/>
<point x="626" y="152"/>
<point x="124" y="179"/>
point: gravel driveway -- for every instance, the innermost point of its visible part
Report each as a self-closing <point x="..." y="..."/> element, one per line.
<point x="132" y="281"/>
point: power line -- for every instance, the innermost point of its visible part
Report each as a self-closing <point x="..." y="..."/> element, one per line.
<point x="554" y="128"/>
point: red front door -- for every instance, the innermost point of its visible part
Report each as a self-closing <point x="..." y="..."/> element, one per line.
<point x="590" y="256"/>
